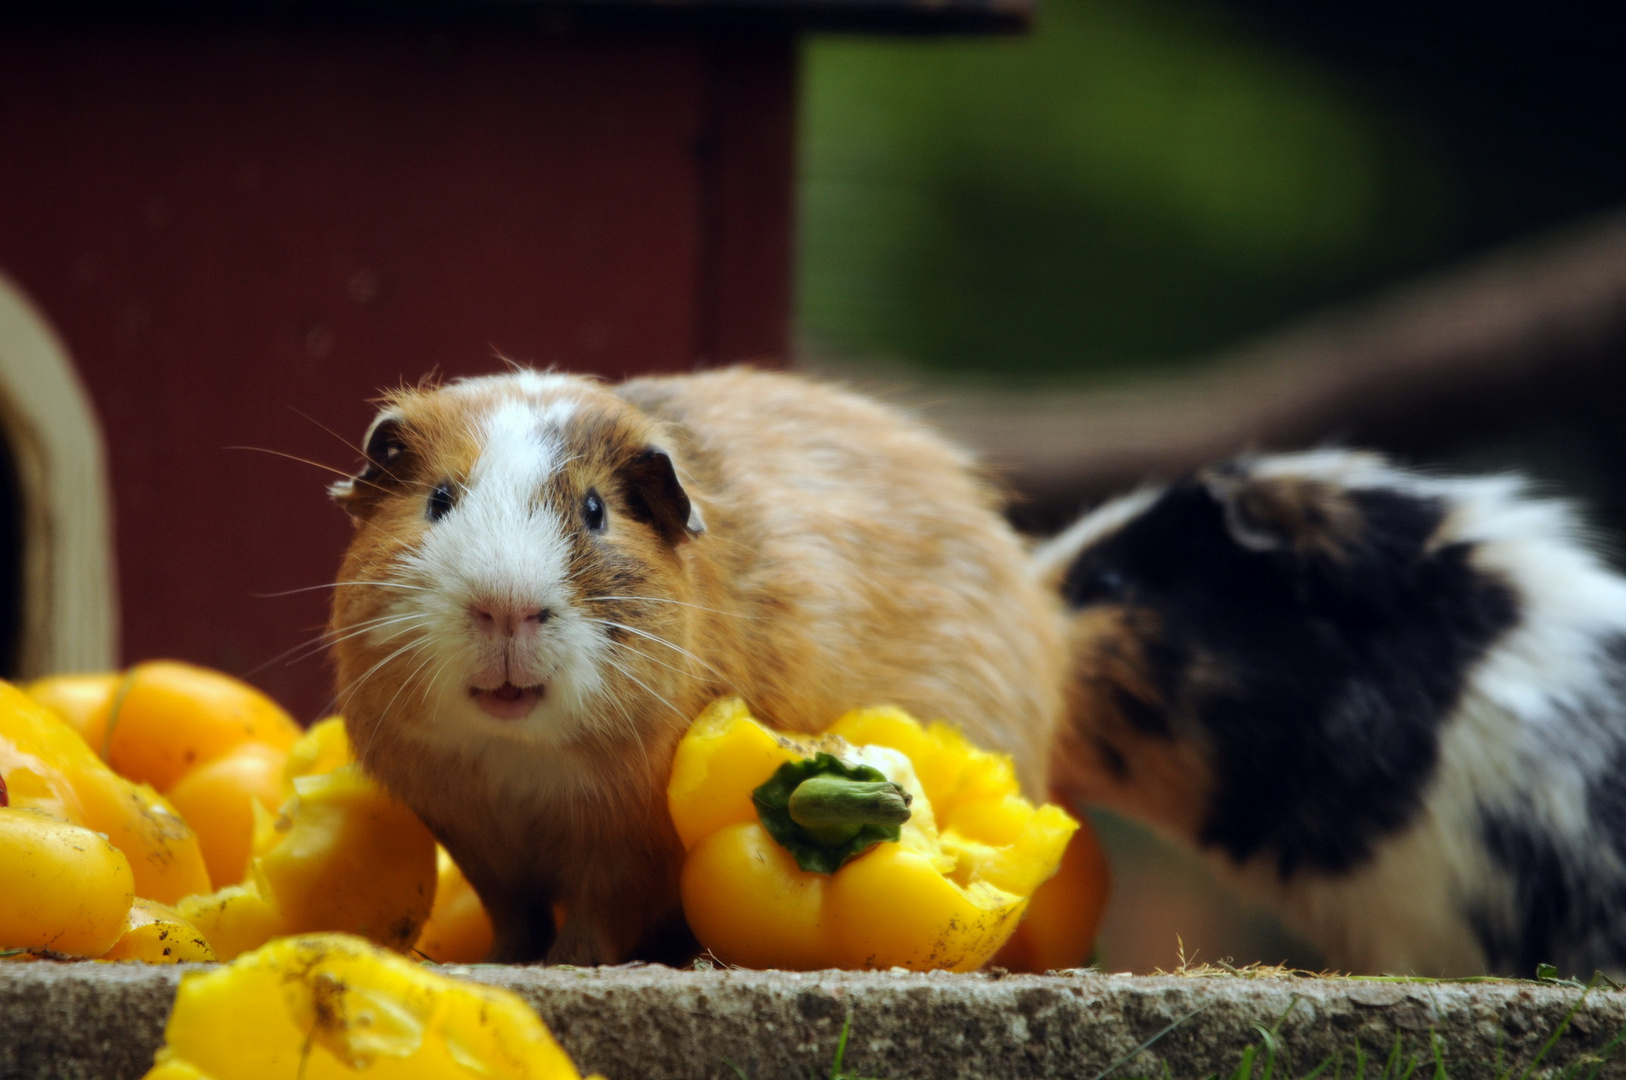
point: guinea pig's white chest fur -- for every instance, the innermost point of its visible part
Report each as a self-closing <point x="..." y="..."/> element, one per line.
<point x="550" y="578"/>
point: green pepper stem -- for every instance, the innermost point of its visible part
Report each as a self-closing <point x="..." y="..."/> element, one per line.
<point x="833" y="808"/>
<point x="827" y="812"/>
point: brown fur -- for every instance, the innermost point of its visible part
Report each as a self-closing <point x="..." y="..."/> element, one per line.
<point x="1100" y="755"/>
<point x="1313" y="517"/>
<point x="849" y="558"/>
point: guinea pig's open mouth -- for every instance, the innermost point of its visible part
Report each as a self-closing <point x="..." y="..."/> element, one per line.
<point x="507" y="702"/>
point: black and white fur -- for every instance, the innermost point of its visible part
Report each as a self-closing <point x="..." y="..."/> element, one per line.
<point x="1391" y="703"/>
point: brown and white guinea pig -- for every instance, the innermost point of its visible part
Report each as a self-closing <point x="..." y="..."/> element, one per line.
<point x="1393" y="704"/>
<point x="550" y="577"/>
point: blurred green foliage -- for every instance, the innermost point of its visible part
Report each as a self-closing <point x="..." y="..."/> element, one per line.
<point x="1132" y="183"/>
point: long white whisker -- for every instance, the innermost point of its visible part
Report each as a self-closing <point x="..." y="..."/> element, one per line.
<point x="632" y="725"/>
<point x="321" y="641"/>
<point x="681" y="671"/>
<point x="664" y="600"/>
<point x="406" y="682"/>
<point x="650" y="690"/>
<point x="659" y="641"/>
<point x="627" y="721"/>
<point x="336" y="584"/>
<point x="355" y="684"/>
<point x="349" y="692"/>
<point x="327" y="641"/>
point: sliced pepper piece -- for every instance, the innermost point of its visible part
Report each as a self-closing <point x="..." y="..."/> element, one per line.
<point x="326" y="1006"/>
<point x="927" y="900"/>
<point x="218" y="798"/>
<point x="81" y="700"/>
<point x="155" y="934"/>
<point x="323" y="748"/>
<point x="341" y="855"/>
<point x="1059" y="929"/>
<point x="66" y="888"/>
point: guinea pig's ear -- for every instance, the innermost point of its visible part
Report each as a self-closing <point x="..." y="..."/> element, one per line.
<point x="1292" y="514"/>
<point x="655" y="495"/>
<point x="383" y="446"/>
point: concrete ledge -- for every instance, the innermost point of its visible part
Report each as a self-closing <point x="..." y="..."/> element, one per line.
<point x="67" y="1021"/>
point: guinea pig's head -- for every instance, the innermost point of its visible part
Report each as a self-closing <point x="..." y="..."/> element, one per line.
<point x="516" y="571"/>
<point x="1264" y="652"/>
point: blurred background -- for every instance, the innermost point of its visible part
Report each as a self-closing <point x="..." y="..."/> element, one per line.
<point x="1100" y="241"/>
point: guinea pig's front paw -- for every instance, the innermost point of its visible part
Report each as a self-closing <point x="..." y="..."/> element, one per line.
<point x="579" y="944"/>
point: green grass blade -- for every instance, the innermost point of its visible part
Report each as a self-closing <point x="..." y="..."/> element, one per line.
<point x="1603" y="1054"/>
<point x="1558" y="1033"/>
<point x="1269" y="1042"/>
<point x="1393" y="1063"/>
<point x="1319" y="1069"/>
<point x="1135" y="1052"/>
<point x="841" y="1049"/>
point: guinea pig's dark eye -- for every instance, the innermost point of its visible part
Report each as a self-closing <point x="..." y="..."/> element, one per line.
<point x="1095" y="585"/>
<point x="593" y="512"/>
<point x="441" y="501"/>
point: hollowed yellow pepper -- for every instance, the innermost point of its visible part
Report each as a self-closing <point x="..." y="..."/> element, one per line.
<point x="945" y="894"/>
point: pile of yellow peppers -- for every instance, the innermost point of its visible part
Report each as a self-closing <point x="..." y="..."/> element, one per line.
<point x="299" y="840"/>
<point x="219" y="788"/>
<point x="882" y="843"/>
<point x="79" y="844"/>
<point x="220" y="827"/>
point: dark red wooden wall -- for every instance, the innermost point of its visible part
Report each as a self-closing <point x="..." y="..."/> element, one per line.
<point x="243" y="234"/>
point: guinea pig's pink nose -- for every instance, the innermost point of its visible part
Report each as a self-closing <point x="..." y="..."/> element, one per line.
<point x="506" y="619"/>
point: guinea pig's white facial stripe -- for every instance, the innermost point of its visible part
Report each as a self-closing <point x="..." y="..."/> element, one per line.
<point x="501" y="544"/>
<point x="515" y="456"/>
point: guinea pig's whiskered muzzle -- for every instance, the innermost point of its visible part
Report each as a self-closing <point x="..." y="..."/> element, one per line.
<point x="506" y="682"/>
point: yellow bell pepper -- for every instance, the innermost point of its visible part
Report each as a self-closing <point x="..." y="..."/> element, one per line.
<point x="459" y="930"/>
<point x="65" y="888"/>
<point x="343" y="855"/>
<point x="50" y="768"/>
<point x="213" y="745"/>
<point x="167" y="718"/>
<point x="787" y="865"/>
<point x="80" y="699"/>
<point x="327" y="1006"/>
<point x="155" y="934"/>
<point x="218" y="799"/>
<point x="1059" y="929"/>
<point x="323" y="748"/>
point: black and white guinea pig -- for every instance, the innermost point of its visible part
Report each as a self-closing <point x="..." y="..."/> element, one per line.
<point x="1390" y="703"/>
